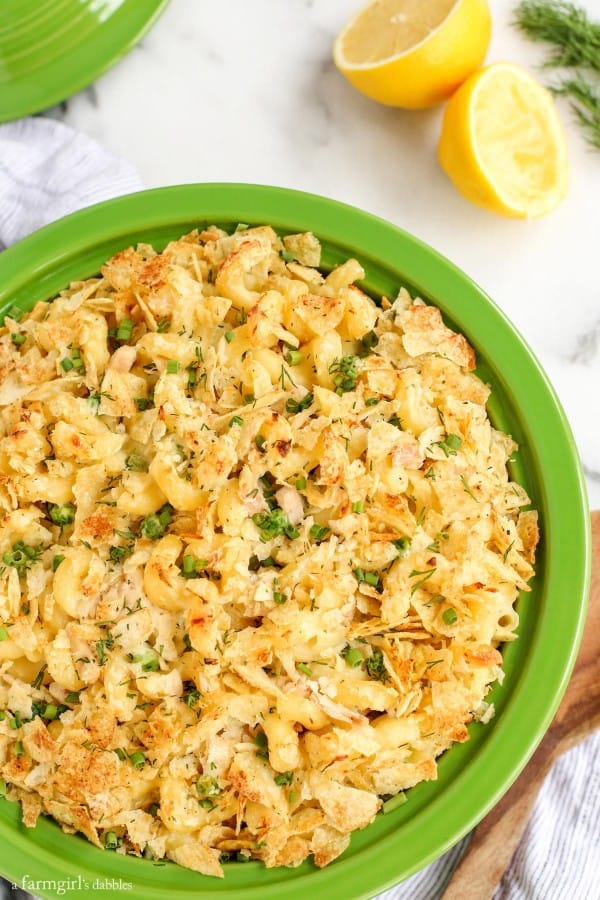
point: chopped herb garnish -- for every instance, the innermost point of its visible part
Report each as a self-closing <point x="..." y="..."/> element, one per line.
<point x="118" y="554"/>
<point x="22" y="556"/>
<point x="287" y="255"/>
<point x="3" y="788"/>
<point x="3" y="633"/>
<point x="111" y="841"/>
<point x="306" y="670"/>
<point x="136" y="462"/>
<point x="358" y="507"/>
<point x="284" y="778"/>
<point x="345" y="373"/>
<point x="293" y="357"/>
<point x="236" y="420"/>
<point x="148" y="660"/>
<point x="450" y="445"/>
<point x="172" y="366"/>
<point x="137" y="759"/>
<point x="402" y="546"/>
<point x="207" y="786"/>
<point x="273" y="524"/>
<point x="163" y="325"/>
<point x="319" y="532"/>
<point x="153" y="527"/>
<point x="295" y="406"/>
<point x="450" y="616"/>
<point x="18" y="338"/>
<point x="191" y="694"/>
<point x="229" y="336"/>
<point x="62" y="514"/>
<point x="19" y="751"/>
<point x="141" y="403"/>
<point x="395" y="421"/>
<point x="72" y="697"/>
<point x="260" y="441"/>
<point x="372" y="401"/>
<point x="375" y="666"/>
<point x="352" y="655"/>
<point x="367" y="343"/>
<point x="300" y="484"/>
<point x="426" y="573"/>
<point x="465" y="484"/>
<point x="192" y="567"/>
<point x="124" y="331"/>
<point x="371" y="578"/>
<point x="39" y="678"/>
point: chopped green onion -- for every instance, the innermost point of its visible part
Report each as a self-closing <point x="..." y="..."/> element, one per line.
<point x="372" y="401"/>
<point x="63" y="514"/>
<point x="111" y="841"/>
<point x="395" y="421"/>
<point x="273" y="524"/>
<point x="172" y="366"/>
<point x="3" y="788"/>
<point x="192" y="567"/>
<point x="141" y="403"/>
<point x="207" y="786"/>
<point x="293" y="357"/>
<point x="229" y="336"/>
<point x="302" y="667"/>
<point x="137" y="760"/>
<point x="3" y="634"/>
<point x="153" y="809"/>
<point x="153" y="527"/>
<point x="16" y="721"/>
<point x="393" y="803"/>
<point x="450" y="616"/>
<point x="279" y="598"/>
<point x="284" y="778"/>
<point x="358" y="507"/>
<point x="296" y="406"/>
<point x="287" y="255"/>
<point x="319" y="532"/>
<point x="163" y="325"/>
<point x="300" y="484"/>
<point x="260" y="441"/>
<point x="367" y="342"/>
<point x="18" y="338"/>
<point x="371" y="578"/>
<point x="345" y="373"/>
<point x="241" y="226"/>
<point x="19" y="751"/>
<point x="125" y="330"/>
<point x="148" y="660"/>
<point x="236" y="420"/>
<point x="402" y="546"/>
<point x="353" y="656"/>
<point x="21" y="557"/>
<point x="72" y="697"/>
<point x="51" y="711"/>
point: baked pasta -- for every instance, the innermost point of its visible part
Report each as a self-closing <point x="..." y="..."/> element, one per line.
<point x="259" y="549"/>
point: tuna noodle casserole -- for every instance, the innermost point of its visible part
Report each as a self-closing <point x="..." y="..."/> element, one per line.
<point x="259" y="548"/>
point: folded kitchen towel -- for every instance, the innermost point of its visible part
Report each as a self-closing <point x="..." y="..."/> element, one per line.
<point x="48" y="170"/>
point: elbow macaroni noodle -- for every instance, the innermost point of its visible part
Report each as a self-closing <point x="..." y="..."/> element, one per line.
<point x="259" y="549"/>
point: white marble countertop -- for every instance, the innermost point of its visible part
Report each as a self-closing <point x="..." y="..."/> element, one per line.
<point x="253" y="96"/>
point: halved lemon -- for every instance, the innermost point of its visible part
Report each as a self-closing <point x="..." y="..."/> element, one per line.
<point x="503" y="145"/>
<point x="413" y="53"/>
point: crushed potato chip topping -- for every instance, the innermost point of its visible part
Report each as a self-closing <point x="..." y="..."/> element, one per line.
<point x="259" y="548"/>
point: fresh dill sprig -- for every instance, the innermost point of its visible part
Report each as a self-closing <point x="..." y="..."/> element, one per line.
<point x="585" y="103"/>
<point x="576" y="41"/>
<point x="575" y="37"/>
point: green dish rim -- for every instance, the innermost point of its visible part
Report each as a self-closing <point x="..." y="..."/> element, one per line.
<point x="80" y="64"/>
<point x="472" y="776"/>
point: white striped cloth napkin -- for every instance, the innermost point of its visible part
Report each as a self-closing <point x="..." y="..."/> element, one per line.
<point x="48" y="170"/>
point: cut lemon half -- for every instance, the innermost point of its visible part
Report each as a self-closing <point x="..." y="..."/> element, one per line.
<point x="413" y="53"/>
<point x="503" y="145"/>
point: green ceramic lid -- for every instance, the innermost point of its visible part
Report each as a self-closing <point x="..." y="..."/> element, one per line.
<point x="472" y="776"/>
<point x="50" y="49"/>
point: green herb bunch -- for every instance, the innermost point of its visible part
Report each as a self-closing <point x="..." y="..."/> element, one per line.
<point x="576" y="47"/>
